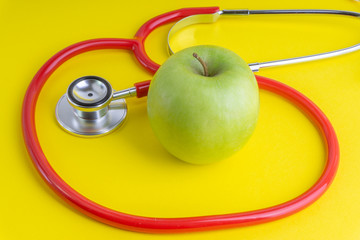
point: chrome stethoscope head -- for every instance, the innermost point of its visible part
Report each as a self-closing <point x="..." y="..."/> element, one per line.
<point x="90" y="107"/>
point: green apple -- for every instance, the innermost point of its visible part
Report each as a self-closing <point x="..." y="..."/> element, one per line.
<point x="203" y="104"/>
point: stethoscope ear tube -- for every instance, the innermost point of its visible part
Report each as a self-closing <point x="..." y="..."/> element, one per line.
<point x="255" y="67"/>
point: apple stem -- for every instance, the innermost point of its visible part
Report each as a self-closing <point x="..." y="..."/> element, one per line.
<point x="206" y="74"/>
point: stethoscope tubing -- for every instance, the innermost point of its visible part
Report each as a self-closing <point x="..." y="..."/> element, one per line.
<point x="166" y="225"/>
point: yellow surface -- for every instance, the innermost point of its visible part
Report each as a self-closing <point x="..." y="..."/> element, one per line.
<point x="129" y="171"/>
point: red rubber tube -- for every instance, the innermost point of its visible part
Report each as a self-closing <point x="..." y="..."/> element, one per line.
<point x="158" y="21"/>
<point x="142" y="88"/>
<point x="165" y="225"/>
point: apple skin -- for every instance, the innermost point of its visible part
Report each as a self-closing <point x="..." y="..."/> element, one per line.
<point x="202" y="119"/>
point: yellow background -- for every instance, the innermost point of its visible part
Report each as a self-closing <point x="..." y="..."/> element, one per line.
<point x="129" y="171"/>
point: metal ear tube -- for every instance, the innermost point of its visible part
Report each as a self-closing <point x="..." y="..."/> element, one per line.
<point x="255" y="67"/>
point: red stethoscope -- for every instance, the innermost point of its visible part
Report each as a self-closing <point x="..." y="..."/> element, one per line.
<point x="169" y="225"/>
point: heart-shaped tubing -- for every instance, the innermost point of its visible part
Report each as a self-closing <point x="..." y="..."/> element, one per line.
<point x="170" y="225"/>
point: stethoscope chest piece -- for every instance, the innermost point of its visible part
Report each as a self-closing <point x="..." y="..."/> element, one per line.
<point x="89" y="109"/>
